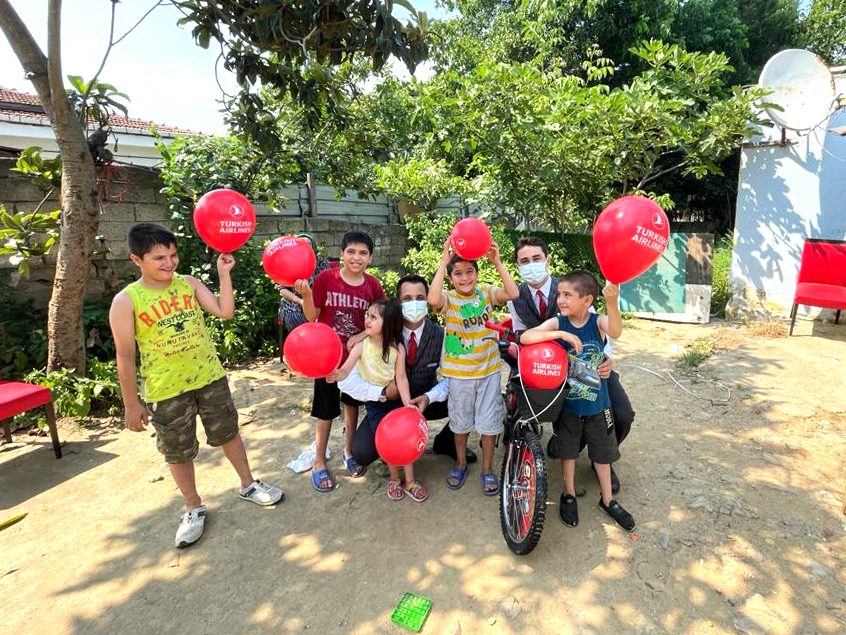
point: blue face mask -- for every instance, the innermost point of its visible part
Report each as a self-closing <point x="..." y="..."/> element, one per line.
<point x="534" y="272"/>
<point x="414" y="310"/>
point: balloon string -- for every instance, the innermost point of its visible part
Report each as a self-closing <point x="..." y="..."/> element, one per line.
<point x="668" y="375"/>
<point x="526" y="396"/>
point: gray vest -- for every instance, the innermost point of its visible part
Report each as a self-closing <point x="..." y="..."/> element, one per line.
<point x="526" y="308"/>
<point x="424" y="373"/>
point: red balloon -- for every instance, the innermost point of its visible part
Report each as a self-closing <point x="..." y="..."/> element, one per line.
<point x="629" y="236"/>
<point x="313" y="349"/>
<point x="224" y="220"/>
<point x="401" y="436"/>
<point x="288" y="259"/>
<point x="470" y="238"/>
<point x="543" y="365"/>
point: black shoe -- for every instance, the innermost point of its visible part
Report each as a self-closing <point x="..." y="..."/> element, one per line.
<point x="620" y="515"/>
<point x="568" y="510"/>
<point x="615" y="480"/>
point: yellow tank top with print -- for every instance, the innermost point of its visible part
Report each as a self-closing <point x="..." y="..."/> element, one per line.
<point x="372" y="368"/>
<point x="177" y="354"/>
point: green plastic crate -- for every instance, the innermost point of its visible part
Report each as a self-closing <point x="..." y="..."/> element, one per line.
<point x="411" y="611"/>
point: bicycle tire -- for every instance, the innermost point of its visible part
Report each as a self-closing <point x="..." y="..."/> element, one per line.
<point x="522" y="497"/>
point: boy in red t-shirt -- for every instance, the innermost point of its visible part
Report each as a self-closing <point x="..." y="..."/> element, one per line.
<point x="340" y="298"/>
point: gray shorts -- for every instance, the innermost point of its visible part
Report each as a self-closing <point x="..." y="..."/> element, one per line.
<point x="175" y="420"/>
<point x="476" y="403"/>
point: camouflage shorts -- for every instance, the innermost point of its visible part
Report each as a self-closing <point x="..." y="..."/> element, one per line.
<point x="175" y="420"/>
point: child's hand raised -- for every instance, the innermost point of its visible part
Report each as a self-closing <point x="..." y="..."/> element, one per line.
<point x="301" y="287"/>
<point x="493" y="253"/>
<point x="446" y="254"/>
<point x="611" y="292"/>
<point x="225" y="263"/>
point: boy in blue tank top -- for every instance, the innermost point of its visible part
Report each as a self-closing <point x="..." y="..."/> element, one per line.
<point x="587" y="410"/>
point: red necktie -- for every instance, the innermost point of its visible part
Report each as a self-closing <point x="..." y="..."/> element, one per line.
<point x="412" y="349"/>
<point x="541" y="305"/>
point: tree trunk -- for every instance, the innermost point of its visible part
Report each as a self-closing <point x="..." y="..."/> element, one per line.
<point x="80" y="210"/>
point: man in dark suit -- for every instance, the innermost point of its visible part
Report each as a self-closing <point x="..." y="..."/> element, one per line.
<point x="537" y="303"/>
<point x="423" y="341"/>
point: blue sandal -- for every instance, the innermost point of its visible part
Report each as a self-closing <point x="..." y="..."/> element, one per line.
<point x="353" y="468"/>
<point x="490" y="484"/>
<point x="457" y="474"/>
<point x="322" y="476"/>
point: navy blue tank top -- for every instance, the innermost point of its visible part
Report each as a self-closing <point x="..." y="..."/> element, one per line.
<point x="584" y="400"/>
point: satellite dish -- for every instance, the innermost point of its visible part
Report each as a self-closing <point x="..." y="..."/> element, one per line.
<point x="802" y="85"/>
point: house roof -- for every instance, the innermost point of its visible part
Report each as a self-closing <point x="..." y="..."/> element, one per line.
<point x="17" y="103"/>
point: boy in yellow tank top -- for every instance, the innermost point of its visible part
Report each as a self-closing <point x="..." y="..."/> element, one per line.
<point x="161" y="316"/>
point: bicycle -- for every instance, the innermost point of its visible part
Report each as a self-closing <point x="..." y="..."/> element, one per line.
<point x="523" y="475"/>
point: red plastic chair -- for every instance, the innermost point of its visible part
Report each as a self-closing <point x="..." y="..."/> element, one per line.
<point x="17" y="397"/>
<point x="822" y="277"/>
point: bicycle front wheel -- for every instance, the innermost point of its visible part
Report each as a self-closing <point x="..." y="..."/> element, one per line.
<point x="522" y="498"/>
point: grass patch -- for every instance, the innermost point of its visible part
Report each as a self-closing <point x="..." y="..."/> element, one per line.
<point x="767" y="328"/>
<point x="720" y="265"/>
<point x="696" y="353"/>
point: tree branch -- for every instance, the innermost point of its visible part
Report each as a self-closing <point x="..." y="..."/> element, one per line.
<point x="649" y="179"/>
<point x="141" y="19"/>
<point x="54" y="58"/>
<point x="93" y="81"/>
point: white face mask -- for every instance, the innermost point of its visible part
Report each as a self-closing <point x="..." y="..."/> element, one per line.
<point x="534" y="272"/>
<point x="414" y="310"/>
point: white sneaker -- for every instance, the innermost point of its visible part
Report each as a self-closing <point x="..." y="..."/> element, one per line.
<point x="190" y="526"/>
<point x="261" y="493"/>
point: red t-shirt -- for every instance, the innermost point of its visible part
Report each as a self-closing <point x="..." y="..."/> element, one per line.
<point x="341" y="305"/>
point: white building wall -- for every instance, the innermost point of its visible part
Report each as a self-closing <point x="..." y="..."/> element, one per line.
<point x="786" y="194"/>
<point x="133" y="146"/>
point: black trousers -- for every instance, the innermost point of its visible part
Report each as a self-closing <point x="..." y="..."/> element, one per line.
<point x="621" y="406"/>
<point x="364" y="441"/>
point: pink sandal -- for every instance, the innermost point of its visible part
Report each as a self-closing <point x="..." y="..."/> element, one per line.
<point x="415" y="491"/>
<point x="395" y="492"/>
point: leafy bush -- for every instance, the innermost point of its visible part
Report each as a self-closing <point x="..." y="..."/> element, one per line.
<point x="252" y="330"/>
<point x="427" y="232"/>
<point x="720" y="264"/>
<point x="76" y="396"/>
<point x="387" y="278"/>
<point x="23" y="337"/>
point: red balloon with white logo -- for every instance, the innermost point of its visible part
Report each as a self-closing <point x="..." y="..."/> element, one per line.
<point x="629" y="236"/>
<point x="543" y="365"/>
<point x="313" y="349"/>
<point x="224" y="220"/>
<point x="401" y="436"/>
<point x="288" y="259"/>
<point x="470" y="238"/>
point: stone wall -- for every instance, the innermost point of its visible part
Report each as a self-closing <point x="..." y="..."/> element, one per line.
<point x="132" y="195"/>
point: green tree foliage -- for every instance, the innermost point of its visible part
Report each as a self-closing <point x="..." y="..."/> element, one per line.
<point x="293" y="48"/>
<point x="290" y="46"/>
<point x="823" y="30"/>
<point x="192" y="167"/>
<point x="551" y="149"/>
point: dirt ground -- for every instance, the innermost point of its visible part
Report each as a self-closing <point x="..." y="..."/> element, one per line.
<point x="738" y="503"/>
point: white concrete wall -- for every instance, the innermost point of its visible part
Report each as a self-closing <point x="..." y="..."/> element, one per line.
<point x="786" y="194"/>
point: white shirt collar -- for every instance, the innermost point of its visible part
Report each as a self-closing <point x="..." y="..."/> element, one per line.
<point x="418" y="332"/>
<point x="546" y="287"/>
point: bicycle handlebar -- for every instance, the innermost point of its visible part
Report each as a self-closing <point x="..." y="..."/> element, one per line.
<point x="499" y="328"/>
